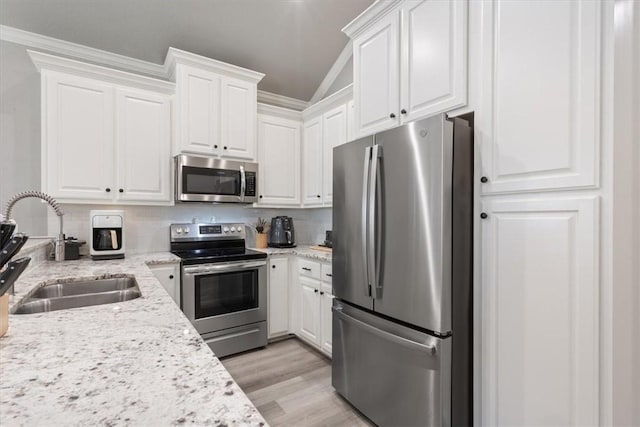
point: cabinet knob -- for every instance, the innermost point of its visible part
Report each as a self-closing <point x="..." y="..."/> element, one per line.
<point x="108" y="190"/>
<point x="328" y="275"/>
<point x="215" y="146"/>
<point x="260" y="196"/>
<point x="318" y="196"/>
<point x="273" y="266"/>
<point x="321" y="293"/>
<point x="393" y="116"/>
<point x="121" y="190"/>
<point x="225" y="147"/>
<point x="315" y="290"/>
<point x="403" y="111"/>
<point x="171" y="276"/>
<point x="484" y="215"/>
<point x="484" y="180"/>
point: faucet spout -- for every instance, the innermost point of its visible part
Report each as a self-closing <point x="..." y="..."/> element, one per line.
<point x="59" y="242"/>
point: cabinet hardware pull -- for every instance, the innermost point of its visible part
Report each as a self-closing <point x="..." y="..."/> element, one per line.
<point x="121" y="190"/>
<point x="215" y="146"/>
<point x="321" y="293"/>
<point x="329" y="275"/>
<point x="273" y="266"/>
<point x="393" y="116"/>
<point x="484" y="215"/>
<point x="484" y="179"/>
<point x="261" y="196"/>
<point x="108" y="190"/>
<point x="315" y="290"/>
<point x="403" y="111"/>
<point x="171" y="276"/>
<point x="318" y="196"/>
<point x="225" y="147"/>
<point x="306" y="269"/>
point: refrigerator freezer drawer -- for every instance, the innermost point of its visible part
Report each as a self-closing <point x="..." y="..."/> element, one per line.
<point x="394" y="375"/>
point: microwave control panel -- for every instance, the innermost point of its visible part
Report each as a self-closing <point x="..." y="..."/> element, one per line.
<point x="251" y="184"/>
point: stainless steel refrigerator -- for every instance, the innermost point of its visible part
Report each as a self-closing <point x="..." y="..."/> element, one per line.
<point x="402" y="273"/>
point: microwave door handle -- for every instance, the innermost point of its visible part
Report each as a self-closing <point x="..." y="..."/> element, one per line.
<point x="363" y="222"/>
<point x="243" y="183"/>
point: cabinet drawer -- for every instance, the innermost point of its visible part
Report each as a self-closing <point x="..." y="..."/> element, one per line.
<point x="309" y="268"/>
<point x="326" y="273"/>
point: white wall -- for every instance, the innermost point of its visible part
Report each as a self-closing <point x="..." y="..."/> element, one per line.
<point x="20" y="136"/>
<point x="147" y="227"/>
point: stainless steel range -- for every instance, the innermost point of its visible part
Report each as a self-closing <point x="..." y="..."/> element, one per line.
<point x="224" y="285"/>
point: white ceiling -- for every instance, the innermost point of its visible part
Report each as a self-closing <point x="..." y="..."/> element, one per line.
<point x="294" y="42"/>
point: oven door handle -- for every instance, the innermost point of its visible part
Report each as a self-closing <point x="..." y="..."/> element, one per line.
<point x="222" y="267"/>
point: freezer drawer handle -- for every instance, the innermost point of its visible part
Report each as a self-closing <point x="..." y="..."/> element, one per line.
<point x="386" y="335"/>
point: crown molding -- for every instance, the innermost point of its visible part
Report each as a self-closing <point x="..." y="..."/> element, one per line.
<point x="284" y="113"/>
<point x="81" y="52"/>
<point x="333" y="72"/>
<point x="370" y="16"/>
<point x="44" y="61"/>
<point x="340" y="97"/>
<point x="180" y="57"/>
<point x="281" y="101"/>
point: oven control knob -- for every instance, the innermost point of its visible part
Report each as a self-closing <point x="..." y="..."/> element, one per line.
<point x="178" y="230"/>
<point x="233" y="229"/>
<point x="186" y="230"/>
<point x="226" y="229"/>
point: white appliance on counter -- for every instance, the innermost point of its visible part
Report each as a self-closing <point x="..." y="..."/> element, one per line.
<point x="106" y="236"/>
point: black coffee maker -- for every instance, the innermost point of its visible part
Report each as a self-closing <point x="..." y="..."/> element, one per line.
<point x="282" y="234"/>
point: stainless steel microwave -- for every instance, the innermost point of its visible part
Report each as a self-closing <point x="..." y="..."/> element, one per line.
<point x="207" y="179"/>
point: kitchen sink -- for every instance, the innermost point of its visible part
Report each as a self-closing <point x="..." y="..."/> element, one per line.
<point x="83" y="293"/>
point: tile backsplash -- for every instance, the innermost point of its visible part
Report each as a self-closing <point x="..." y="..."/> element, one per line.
<point x="147" y="227"/>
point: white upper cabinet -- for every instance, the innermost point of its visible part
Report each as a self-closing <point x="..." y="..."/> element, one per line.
<point x="409" y="61"/>
<point x="375" y="84"/>
<point x="77" y="137"/>
<point x="198" y="95"/>
<point x="540" y="110"/>
<point x="334" y="134"/>
<point x="217" y="106"/>
<point x="433" y="57"/>
<point x="279" y="161"/>
<point x="106" y="134"/>
<point x="143" y="146"/>
<point x="238" y="128"/>
<point x="312" y="153"/>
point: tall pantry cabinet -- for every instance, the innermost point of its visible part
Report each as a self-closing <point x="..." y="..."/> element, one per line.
<point x="535" y="75"/>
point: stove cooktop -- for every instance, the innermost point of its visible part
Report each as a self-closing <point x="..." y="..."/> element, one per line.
<point x="216" y="255"/>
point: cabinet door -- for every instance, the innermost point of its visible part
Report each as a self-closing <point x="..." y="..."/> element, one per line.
<point x="312" y="162"/>
<point x="169" y="277"/>
<point x="310" y="310"/>
<point x="434" y="57"/>
<point x="238" y="119"/>
<point x="198" y="94"/>
<point x="540" y="312"/>
<point x="143" y="150"/>
<point x="375" y="80"/>
<point x="538" y="123"/>
<point x="279" y="159"/>
<point x="77" y="138"/>
<point x="334" y="134"/>
<point x="278" y="296"/>
<point x="326" y="301"/>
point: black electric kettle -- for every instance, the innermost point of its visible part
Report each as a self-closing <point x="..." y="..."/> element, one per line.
<point x="282" y="233"/>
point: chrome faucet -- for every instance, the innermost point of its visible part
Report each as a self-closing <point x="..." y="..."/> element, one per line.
<point x="59" y="242"/>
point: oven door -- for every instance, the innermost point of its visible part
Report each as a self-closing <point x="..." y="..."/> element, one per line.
<point x="205" y="179"/>
<point x="224" y="295"/>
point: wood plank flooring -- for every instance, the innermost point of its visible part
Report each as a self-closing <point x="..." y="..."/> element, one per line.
<point x="290" y="384"/>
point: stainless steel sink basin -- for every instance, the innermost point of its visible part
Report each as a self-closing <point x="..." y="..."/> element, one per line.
<point x="74" y="294"/>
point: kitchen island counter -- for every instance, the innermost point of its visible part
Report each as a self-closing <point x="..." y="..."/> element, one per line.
<point x="139" y="362"/>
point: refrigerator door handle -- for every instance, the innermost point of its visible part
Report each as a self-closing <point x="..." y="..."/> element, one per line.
<point x="384" y="334"/>
<point x="365" y="206"/>
<point x="371" y="235"/>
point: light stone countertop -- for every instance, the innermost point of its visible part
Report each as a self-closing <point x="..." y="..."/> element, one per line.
<point x="138" y="362"/>
<point x="300" y="250"/>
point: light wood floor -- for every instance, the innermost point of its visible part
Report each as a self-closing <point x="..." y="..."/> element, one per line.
<point x="290" y="384"/>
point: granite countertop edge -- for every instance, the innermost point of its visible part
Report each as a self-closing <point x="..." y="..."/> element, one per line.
<point x="130" y="363"/>
<point x="301" y="250"/>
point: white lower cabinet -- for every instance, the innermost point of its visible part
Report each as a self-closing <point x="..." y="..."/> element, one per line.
<point x="169" y="277"/>
<point x="278" y="307"/>
<point x="540" y="339"/>
<point x="315" y="301"/>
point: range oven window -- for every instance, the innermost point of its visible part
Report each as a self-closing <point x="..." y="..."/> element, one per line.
<point x="222" y="182"/>
<point x="224" y="293"/>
